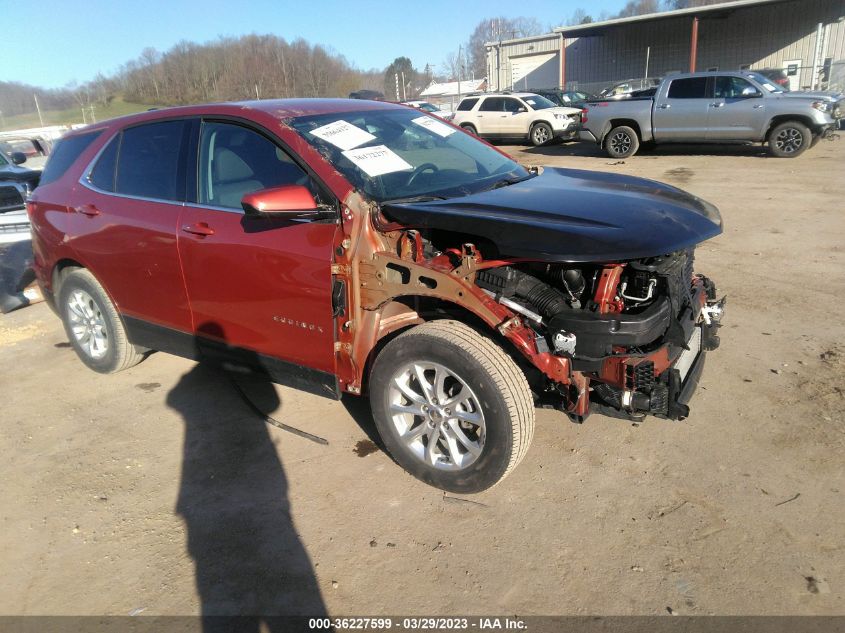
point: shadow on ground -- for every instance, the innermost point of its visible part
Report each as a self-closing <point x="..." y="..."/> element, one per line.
<point x="593" y="150"/>
<point x="233" y="498"/>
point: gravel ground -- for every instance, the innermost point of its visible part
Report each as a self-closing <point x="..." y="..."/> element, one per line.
<point x="157" y="491"/>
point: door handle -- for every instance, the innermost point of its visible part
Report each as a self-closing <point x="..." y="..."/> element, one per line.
<point x="717" y="105"/>
<point x="665" y="106"/>
<point x="200" y="228"/>
<point x="758" y="106"/>
<point x="87" y="209"/>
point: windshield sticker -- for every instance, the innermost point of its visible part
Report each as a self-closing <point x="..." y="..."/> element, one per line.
<point x="377" y="160"/>
<point x="433" y="125"/>
<point x="343" y="135"/>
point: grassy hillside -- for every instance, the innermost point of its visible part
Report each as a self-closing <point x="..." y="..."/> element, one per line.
<point x="118" y="107"/>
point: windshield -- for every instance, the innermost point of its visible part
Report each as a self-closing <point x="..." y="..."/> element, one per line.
<point x="766" y="83"/>
<point x="427" y="107"/>
<point x="396" y="154"/>
<point x="539" y="103"/>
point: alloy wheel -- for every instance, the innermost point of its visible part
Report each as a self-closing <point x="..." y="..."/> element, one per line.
<point x="789" y="140"/>
<point x="436" y="415"/>
<point x="620" y="143"/>
<point x="87" y="324"/>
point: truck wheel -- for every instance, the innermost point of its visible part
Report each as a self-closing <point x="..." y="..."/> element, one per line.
<point x="541" y="134"/>
<point x="93" y="326"/>
<point x="621" y="142"/>
<point x="789" y="139"/>
<point x="470" y="128"/>
<point x="452" y="408"/>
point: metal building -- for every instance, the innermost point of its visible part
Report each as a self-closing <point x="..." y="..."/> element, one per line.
<point x="806" y="38"/>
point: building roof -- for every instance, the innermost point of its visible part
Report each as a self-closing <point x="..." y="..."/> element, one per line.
<point x="453" y="88"/>
<point x="583" y="30"/>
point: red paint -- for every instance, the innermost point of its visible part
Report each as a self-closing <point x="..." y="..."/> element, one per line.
<point x="605" y="295"/>
<point x="280" y="199"/>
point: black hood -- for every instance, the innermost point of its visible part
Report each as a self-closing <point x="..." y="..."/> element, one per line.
<point x="572" y="215"/>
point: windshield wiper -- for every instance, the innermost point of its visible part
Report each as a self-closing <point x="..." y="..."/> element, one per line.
<point x="505" y="182"/>
<point x="422" y="198"/>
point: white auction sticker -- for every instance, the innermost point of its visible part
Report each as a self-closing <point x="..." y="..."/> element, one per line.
<point x="377" y="160"/>
<point x="343" y="135"/>
<point x="433" y="125"/>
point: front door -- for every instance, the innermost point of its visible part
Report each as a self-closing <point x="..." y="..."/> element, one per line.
<point x="680" y="112"/>
<point x="737" y="111"/>
<point x="260" y="285"/>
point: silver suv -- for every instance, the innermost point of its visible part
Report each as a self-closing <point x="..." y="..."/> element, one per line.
<point x="520" y="115"/>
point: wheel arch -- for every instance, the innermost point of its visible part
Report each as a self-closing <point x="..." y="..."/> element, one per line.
<point x="427" y="309"/>
<point x="784" y="118"/>
<point x="631" y="123"/>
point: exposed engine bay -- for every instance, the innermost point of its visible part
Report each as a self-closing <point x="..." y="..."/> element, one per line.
<point x="610" y="320"/>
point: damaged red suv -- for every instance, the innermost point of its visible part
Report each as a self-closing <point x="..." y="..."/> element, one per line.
<point x="369" y="248"/>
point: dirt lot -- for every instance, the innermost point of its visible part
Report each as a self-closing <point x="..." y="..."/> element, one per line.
<point x="157" y="491"/>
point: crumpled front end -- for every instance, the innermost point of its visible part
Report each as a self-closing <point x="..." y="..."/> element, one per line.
<point x="635" y="333"/>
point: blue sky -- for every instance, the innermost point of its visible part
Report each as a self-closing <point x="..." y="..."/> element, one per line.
<point x="54" y="42"/>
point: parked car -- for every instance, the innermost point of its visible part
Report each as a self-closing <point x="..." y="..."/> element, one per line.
<point x="357" y="247"/>
<point x="623" y="89"/>
<point x="429" y="108"/>
<point x="713" y="107"/>
<point x="775" y="75"/>
<point x="518" y="115"/>
<point x="566" y="98"/>
<point x="15" y="184"/>
<point x="370" y="95"/>
<point x="34" y="149"/>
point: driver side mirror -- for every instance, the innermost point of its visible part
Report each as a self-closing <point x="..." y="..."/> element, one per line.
<point x="18" y="158"/>
<point x="286" y="201"/>
<point x="751" y="92"/>
<point x="520" y="110"/>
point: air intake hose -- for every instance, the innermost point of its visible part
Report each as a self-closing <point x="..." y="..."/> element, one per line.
<point x="509" y="282"/>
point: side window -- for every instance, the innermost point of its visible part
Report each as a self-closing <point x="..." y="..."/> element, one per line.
<point x="512" y="105"/>
<point x="235" y="160"/>
<point x="149" y="162"/>
<point x="467" y="104"/>
<point x="492" y="104"/>
<point x="689" y="88"/>
<point x="102" y="176"/>
<point x="732" y="87"/>
<point x="65" y="153"/>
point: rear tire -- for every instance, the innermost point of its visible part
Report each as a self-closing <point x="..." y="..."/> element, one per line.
<point x="468" y="127"/>
<point x="452" y="408"/>
<point x="93" y="325"/>
<point x="541" y="134"/>
<point x="789" y="139"/>
<point x="621" y="142"/>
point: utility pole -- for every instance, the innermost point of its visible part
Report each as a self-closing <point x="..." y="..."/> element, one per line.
<point x="396" y="81"/>
<point x="404" y="94"/>
<point x="37" y="107"/>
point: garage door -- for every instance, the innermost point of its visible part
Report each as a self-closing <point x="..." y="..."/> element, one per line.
<point x="535" y="71"/>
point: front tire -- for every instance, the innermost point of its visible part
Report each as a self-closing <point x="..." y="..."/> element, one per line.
<point x="621" y="142"/>
<point x="93" y="325"/>
<point x="789" y="139"/>
<point x="541" y="134"/>
<point x="452" y="408"/>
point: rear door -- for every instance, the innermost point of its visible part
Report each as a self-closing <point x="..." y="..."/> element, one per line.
<point x="681" y="109"/>
<point x="260" y="285"/>
<point x="127" y="211"/>
<point x="737" y="111"/>
<point x="489" y="116"/>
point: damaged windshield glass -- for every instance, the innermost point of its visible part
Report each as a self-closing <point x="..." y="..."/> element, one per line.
<point x="403" y="153"/>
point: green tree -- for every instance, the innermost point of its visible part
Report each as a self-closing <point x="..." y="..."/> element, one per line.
<point x="399" y="66"/>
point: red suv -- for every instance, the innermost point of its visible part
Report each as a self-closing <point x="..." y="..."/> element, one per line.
<point x="364" y="247"/>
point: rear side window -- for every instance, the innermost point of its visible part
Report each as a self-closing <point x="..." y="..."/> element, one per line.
<point x="149" y="162"/>
<point x="492" y="104"/>
<point x="102" y="176"/>
<point x="64" y="154"/>
<point x="690" y="88"/>
<point x="467" y="104"/>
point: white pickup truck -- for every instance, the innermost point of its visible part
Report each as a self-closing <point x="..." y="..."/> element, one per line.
<point x="713" y="107"/>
